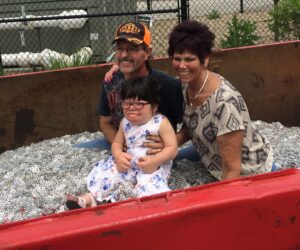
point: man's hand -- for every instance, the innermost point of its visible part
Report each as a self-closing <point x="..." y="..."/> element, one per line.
<point x="147" y="164"/>
<point x="123" y="162"/>
<point x="155" y="144"/>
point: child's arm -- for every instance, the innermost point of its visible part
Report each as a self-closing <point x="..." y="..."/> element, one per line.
<point x="150" y="163"/>
<point x="122" y="158"/>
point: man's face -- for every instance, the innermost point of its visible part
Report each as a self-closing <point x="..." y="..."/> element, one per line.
<point x="131" y="58"/>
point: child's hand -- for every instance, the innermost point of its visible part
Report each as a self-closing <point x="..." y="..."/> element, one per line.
<point x="123" y="162"/>
<point x="147" y="164"/>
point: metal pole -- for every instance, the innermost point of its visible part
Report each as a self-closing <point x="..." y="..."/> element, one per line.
<point x="1" y="65"/>
<point x="22" y="32"/>
<point x="38" y="30"/>
<point x="149" y="4"/>
<point x="184" y="13"/>
<point x="242" y="6"/>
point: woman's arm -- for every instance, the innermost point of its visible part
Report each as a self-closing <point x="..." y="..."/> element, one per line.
<point x="183" y="135"/>
<point x="150" y="163"/>
<point x="230" y="146"/>
<point x="122" y="158"/>
<point x="109" y="74"/>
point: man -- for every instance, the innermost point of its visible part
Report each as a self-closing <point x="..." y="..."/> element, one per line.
<point x="132" y="54"/>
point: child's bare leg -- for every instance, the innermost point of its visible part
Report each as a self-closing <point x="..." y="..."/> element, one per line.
<point x="83" y="201"/>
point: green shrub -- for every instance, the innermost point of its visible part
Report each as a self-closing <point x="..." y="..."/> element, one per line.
<point x="240" y="33"/>
<point x="285" y="20"/>
<point x="213" y="15"/>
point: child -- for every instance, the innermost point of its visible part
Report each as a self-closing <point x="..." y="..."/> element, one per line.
<point x="145" y="174"/>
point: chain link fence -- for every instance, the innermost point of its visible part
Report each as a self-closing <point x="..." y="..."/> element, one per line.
<point x="47" y="34"/>
<point x="219" y="14"/>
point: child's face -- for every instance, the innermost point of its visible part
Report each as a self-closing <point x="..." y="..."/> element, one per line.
<point x="137" y="111"/>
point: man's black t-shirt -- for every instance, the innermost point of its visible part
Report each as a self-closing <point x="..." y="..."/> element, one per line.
<point x="171" y="98"/>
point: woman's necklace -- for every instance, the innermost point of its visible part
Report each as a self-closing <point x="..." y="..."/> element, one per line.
<point x="196" y="96"/>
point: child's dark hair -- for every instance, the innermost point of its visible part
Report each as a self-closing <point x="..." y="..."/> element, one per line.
<point x="142" y="88"/>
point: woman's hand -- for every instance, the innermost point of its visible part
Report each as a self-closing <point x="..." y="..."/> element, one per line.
<point x="123" y="162"/>
<point x="147" y="164"/>
<point x="109" y="74"/>
<point x="154" y="143"/>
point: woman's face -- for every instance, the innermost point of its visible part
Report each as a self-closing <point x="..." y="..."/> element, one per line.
<point x="137" y="111"/>
<point x="188" y="66"/>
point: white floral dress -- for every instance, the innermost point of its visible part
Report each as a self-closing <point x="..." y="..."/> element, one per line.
<point x="104" y="180"/>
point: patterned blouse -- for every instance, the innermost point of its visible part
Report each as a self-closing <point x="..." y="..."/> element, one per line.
<point x="223" y="112"/>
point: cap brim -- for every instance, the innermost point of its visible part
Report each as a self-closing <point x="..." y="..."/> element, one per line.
<point x="129" y="39"/>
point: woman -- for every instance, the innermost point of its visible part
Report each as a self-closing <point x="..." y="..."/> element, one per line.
<point x="216" y="117"/>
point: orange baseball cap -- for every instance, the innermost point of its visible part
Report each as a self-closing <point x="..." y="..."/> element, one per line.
<point x="133" y="32"/>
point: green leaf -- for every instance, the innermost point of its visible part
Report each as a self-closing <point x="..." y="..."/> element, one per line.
<point x="240" y="33"/>
<point x="285" y="20"/>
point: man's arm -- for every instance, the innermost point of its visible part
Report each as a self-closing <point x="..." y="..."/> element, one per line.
<point x="105" y="119"/>
<point x="107" y="128"/>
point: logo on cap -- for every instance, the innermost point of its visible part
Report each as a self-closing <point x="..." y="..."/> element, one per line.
<point x="133" y="32"/>
<point x="130" y="28"/>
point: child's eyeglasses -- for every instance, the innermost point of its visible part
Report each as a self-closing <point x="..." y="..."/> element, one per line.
<point x="135" y="105"/>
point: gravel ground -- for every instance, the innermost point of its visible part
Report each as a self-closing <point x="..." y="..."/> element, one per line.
<point x="36" y="178"/>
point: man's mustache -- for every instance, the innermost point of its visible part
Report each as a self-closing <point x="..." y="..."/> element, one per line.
<point x="125" y="60"/>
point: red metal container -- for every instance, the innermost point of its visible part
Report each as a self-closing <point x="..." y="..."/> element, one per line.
<point x="41" y="105"/>
<point x="257" y="212"/>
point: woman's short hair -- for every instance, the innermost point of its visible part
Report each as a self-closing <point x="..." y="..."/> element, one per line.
<point x="191" y="36"/>
<point x="142" y="88"/>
